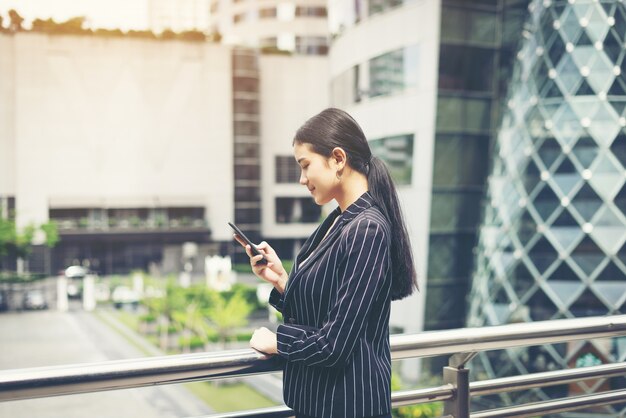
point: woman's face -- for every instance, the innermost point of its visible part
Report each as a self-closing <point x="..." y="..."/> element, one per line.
<point x="318" y="174"/>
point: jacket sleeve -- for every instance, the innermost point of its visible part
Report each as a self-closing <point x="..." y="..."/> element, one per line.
<point x="362" y="271"/>
<point x="277" y="300"/>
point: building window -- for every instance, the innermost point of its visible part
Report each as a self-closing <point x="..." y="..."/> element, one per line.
<point x="246" y="150"/>
<point x="468" y="26"/>
<point x="246" y="106"/>
<point x="7" y="207"/>
<point x="247" y="194"/>
<point x="466" y="68"/>
<point x="122" y="218"/>
<point x="248" y="215"/>
<point x="393" y="71"/>
<point x="311" y="11"/>
<point x="287" y="170"/>
<point x="397" y="153"/>
<point x="463" y="114"/>
<point x="380" y="6"/>
<point x="311" y="45"/>
<point x="246" y="84"/>
<point x="247" y="172"/>
<point x="243" y="127"/>
<point x="297" y="210"/>
<point x="269" y="12"/>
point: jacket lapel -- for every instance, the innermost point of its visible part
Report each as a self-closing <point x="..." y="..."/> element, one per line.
<point x="317" y="249"/>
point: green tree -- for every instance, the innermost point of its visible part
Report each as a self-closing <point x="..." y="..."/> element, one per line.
<point x="165" y="309"/>
<point x="51" y="230"/>
<point x="19" y="244"/>
<point x="227" y="314"/>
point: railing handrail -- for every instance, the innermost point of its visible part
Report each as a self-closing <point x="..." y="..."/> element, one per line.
<point x="123" y="374"/>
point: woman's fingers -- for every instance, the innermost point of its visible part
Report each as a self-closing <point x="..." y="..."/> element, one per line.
<point x="266" y="248"/>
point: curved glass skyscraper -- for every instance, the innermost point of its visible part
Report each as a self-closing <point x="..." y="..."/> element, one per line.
<point x="552" y="244"/>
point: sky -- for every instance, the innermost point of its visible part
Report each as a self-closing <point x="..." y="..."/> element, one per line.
<point x="110" y="14"/>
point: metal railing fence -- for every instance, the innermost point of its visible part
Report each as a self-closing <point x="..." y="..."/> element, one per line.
<point x="461" y="344"/>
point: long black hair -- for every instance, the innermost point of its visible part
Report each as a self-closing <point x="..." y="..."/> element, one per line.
<point x="335" y="128"/>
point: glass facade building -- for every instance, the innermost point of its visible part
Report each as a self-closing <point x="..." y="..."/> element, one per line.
<point x="552" y="242"/>
<point x="478" y="41"/>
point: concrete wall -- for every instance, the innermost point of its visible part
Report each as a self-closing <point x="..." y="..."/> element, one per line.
<point x="292" y="90"/>
<point x="7" y="116"/>
<point x="412" y="111"/>
<point x="116" y="122"/>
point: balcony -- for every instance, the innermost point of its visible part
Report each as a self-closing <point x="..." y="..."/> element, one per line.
<point x="456" y="392"/>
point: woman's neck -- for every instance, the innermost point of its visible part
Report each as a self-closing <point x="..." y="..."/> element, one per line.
<point x="353" y="186"/>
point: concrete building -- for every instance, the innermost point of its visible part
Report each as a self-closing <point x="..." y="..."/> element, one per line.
<point x="298" y="26"/>
<point x="136" y="146"/>
<point x="386" y="80"/>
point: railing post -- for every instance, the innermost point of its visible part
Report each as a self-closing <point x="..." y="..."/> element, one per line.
<point x="458" y="376"/>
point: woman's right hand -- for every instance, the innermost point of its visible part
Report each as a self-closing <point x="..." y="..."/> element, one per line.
<point x="273" y="272"/>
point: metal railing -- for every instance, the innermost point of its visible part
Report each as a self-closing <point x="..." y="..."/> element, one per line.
<point x="461" y="344"/>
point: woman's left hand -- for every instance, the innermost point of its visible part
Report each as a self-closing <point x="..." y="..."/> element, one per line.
<point x="264" y="340"/>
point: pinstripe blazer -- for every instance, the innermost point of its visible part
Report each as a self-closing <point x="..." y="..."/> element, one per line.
<point x="335" y="339"/>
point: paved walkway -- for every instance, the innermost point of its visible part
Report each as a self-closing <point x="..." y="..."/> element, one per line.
<point x="32" y="339"/>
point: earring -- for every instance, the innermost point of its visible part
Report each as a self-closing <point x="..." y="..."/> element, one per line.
<point x="338" y="175"/>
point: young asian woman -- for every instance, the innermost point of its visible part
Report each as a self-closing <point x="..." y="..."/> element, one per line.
<point x="336" y="300"/>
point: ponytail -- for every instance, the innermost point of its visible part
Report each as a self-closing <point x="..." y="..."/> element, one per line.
<point x="335" y="128"/>
<point x="383" y="190"/>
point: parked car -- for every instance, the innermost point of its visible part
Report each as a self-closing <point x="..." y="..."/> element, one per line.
<point x="34" y="299"/>
<point x="123" y="295"/>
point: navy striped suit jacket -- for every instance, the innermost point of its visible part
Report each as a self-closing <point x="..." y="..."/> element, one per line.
<point x="335" y="339"/>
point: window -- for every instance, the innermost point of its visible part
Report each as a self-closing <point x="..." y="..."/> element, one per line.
<point x="451" y="211"/>
<point x="468" y="26"/>
<point x="393" y="71"/>
<point x="297" y="210"/>
<point x="247" y="172"/>
<point x="247" y="194"/>
<point x="311" y="11"/>
<point x="455" y="160"/>
<point x="287" y="169"/>
<point x="246" y="150"/>
<point x="463" y="114"/>
<point x="247" y="84"/>
<point x="379" y="6"/>
<point x="311" y="45"/>
<point x="397" y="153"/>
<point x="269" y="12"/>
<point x="248" y="215"/>
<point x="246" y="106"/>
<point x="243" y="127"/>
<point x="450" y="255"/>
<point x="462" y="67"/>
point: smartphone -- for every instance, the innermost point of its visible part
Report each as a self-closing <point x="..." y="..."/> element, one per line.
<point x="253" y="247"/>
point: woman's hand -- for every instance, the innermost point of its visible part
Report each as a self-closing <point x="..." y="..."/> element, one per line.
<point x="273" y="272"/>
<point x="264" y="340"/>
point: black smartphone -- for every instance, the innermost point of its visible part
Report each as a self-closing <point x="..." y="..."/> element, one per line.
<point x="253" y="247"/>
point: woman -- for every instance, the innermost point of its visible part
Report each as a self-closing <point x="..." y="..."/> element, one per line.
<point x="336" y="300"/>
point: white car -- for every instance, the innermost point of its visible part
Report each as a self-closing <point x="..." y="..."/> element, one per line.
<point x="124" y="295"/>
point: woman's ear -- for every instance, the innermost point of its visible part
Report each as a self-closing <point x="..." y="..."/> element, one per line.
<point x="340" y="157"/>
